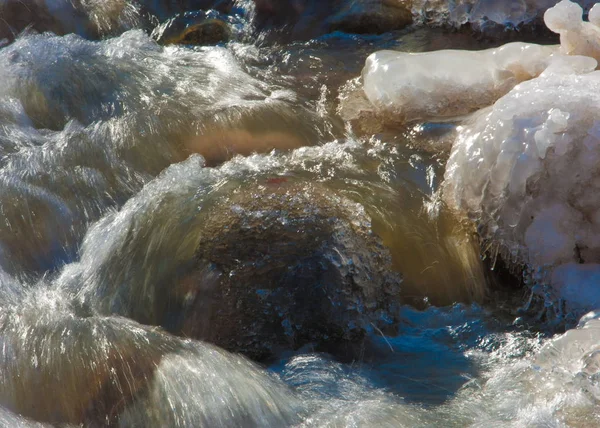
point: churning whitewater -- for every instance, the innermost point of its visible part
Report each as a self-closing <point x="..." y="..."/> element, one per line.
<point x="258" y="213"/>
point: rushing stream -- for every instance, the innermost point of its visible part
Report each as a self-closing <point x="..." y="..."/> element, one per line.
<point x="221" y="234"/>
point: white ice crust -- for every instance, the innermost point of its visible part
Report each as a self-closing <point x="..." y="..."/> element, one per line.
<point x="527" y="169"/>
<point x="482" y="14"/>
<point x="526" y="166"/>
<point x="412" y="86"/>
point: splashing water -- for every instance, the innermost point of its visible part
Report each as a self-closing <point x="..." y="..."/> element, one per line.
<point x="169" y="213"/>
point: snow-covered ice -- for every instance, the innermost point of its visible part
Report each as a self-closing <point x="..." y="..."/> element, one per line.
<point x="412" y="86"/>
<point x="482" y="14"/>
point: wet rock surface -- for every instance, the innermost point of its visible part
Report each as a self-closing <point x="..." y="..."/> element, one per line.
<point x="309" y="18"/>
<point x="94" y="19"/>
<point x="193" y="28"/>
<point x="88" y="19"/>
<point x="287" y="265"/>
<point x="371" y="16"/>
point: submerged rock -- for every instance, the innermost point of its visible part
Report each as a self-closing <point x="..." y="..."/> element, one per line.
<point x="64" y="365"/>
<point x="255" y="265"/>
<point x="371" y="16"/>
<point x="311" y="18"/>
<point x="286" y="265"/>
<point x="61" y="365"/>
<point x="194" y="28"/>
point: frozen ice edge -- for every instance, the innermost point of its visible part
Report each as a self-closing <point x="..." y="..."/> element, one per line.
<point x="526" y="165"/>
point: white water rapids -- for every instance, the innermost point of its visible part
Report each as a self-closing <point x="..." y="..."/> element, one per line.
<point x="232" y="235"/>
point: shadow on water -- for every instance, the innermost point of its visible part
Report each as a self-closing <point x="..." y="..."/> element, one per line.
<point x="426" y="364"/>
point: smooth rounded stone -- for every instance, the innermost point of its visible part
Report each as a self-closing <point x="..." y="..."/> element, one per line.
<point x="61" y="364"/>
<point x="372" y="16"/>
<point x="286" y="265"/>
<point x="204" y="386"/>
<point x="193" y="28"/>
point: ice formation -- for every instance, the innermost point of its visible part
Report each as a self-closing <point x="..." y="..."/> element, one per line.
<point x="577" y="37"/>
<point x="481" y="14"/>
<point x="411" y="86"/>
<point x="529" y="170"/>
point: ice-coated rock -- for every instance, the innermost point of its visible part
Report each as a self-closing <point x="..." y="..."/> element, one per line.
<point x="193" y="28"/>
<point x="528" y="170"/>
<point x="577" y="37"/>
<point x="483" y="14"/>
<point x="411" y="86"/>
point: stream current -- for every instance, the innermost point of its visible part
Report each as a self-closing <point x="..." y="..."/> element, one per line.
<point x="133" y="175"/>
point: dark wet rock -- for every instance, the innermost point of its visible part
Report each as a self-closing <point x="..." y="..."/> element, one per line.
<point x="193" y="28"/>
<point x="87" y="19"/>
<point x="310" y="18"/>
<point x="287" y="265"/>
<point x="163" y="9"/>
<point x="17" y="15"/>
<point x="96" y="19"/>
<point x="371" y="16"/>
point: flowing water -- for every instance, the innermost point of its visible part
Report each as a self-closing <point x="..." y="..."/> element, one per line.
<point x="135" y="178"/>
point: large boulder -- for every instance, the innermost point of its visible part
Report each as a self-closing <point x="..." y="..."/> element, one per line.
<point x="63" y="365"/>
<point x="255" y="265"/>
<point x="286" y="265"/>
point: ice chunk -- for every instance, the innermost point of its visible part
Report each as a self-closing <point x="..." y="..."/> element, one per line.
<point x="528" y="169"/>
<point x="577" y="37"/>
<point x="413" y="86"/>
